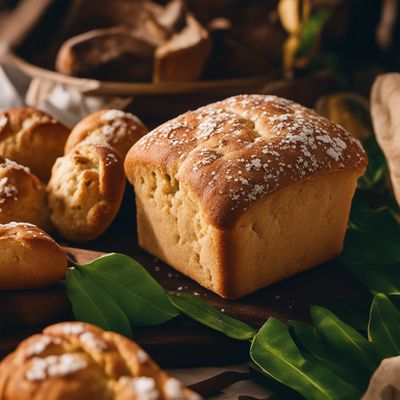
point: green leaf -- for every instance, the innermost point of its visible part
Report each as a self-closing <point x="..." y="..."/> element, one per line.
<point x="370" y="247"/>
<point x="313" y="342"/>
<point x="199" y="310"/>
<point x="93" y="305"/>
<point x="274" y="351"/>
<point x="346" y="341"/>
<point x="311" y="30"/>
<point x="383" y="279"/>
<point x="354" y="313"/>
<point x="373" y="235"/>
<point x="384" y="325"/>
<point x="142" y="299"/>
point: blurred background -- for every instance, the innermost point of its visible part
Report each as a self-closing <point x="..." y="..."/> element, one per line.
<point x="159" y="58"/>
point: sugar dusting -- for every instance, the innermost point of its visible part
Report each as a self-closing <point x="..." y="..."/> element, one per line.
<point x="116" y="125"/>
<point x="255" y="143"/>
<point x="173" y="389"/>
<point x="54" y="366"/>
<point x="3" y="121"/>
<point x="41" y="344"/>
<point x="14" y="165"/>
<point x="143" y="388"/>
<point x="7" y="190"/>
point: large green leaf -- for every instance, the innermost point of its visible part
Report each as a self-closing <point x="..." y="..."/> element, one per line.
<point x="93" y="305"/>
<point x="347" y="342"/>
<point x="372" y="247"/>
<point x="274" y="352"/>
<point x="199" y="310"/>
<point x="142" y="299"/>
<point x="384" y="279"/>
<point x="375" y="246"/>
<point x="384" y="325"/>
<point x="312" y="341"/>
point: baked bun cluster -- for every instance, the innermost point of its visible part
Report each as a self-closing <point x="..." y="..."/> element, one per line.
<point x="29" y="258"/>
<point x="142" y="41"/>
<point x="87" y="183"/>
<point x="73" y="360"/>
<point x="244" y="192"/>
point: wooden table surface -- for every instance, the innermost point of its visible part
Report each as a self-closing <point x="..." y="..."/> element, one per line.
<point x="331" y="285"/>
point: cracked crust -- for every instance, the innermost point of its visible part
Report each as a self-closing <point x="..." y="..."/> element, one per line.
<point x="85" y="191"/>
<point x="207" y="185"/>
<point x="115" y="128"/>
<point x="29" y="258"/>
<point x="73" y="360"/>
<point x="32" y="138"/>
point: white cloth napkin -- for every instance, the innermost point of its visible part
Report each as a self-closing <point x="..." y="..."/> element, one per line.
<point x="248" y="388"/>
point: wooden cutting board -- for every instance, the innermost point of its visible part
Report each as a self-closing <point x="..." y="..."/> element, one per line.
<point x="22" y="313"/>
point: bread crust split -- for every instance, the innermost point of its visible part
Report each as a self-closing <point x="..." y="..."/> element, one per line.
<point x="32" y="138"/>
<point x="116" y="128"/>
<point x="244" y="192"/>
<point x="85" y="191"/>
<point x="73" y="360"/>
<point x="29" y="258"/>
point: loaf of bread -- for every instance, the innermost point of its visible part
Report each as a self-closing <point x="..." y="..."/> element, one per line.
<point x="22" y="196"/>
<point x="85" y="191"/>
<point x="244" y="192"/>
<point x="115" y="128"/>
<point x="72" y="360"/>
<point x="29" y="258"/>
<point x="32" y="138"/>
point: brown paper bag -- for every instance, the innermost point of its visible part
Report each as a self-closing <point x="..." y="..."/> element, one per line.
<point x="385" y="110"/>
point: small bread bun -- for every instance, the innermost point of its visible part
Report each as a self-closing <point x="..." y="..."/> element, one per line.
<point x="32" y="138"/>
<point x="85" y="191"/>
<point x="22" y="196"/>
<point x="73" y="360"/>
<point x="118" y="129"/>
<point x="29" y="258"/>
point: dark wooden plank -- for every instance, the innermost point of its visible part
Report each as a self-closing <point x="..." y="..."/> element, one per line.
<point x="22" y="313"/>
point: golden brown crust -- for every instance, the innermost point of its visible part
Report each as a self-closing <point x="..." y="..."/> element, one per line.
<point x="32" y="138"/>
<point x="115" y="128"/>
<point x="29" y="258"/>
<point x="234" y="152"/>
<point x="85" y="191"/>
<point x="22" y="196"/>
<point x="73" y="360"/>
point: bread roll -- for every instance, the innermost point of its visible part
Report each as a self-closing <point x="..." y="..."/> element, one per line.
<point x="106" y="54"/>
<point x="72" y="360"/>
<point x="29" y="258"/>
<point x="244" y="192"/>
<point x="85" y="191"/>
<point x="182" y="57"/>
<point x="22" y="196"/>
<point x="32" y="138"/>
<point x="116" y="128"/>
